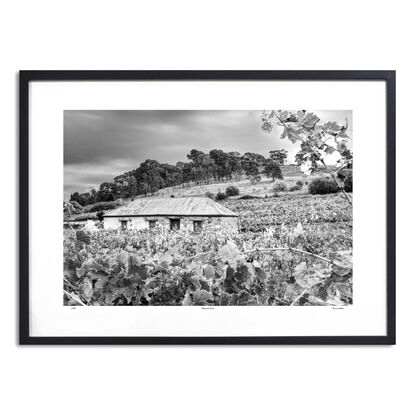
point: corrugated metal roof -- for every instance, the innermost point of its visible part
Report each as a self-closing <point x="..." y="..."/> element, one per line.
<point x="168" y="206"/>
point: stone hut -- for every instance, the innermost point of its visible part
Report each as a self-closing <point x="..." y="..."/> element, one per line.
<point x="190" y="213"/>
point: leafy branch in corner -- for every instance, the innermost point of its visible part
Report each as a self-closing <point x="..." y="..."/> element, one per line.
<point x="317" y="141"/>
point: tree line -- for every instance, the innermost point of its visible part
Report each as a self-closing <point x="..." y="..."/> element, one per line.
<point x="202" y="168"/>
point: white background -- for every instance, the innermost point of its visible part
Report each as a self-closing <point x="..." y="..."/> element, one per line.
<point x="214" y="35"/>
<point x="367" y="316"/>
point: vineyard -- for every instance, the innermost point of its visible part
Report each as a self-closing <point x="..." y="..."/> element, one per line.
<point x="290" y="250"/>
<point x="257" y="215"/>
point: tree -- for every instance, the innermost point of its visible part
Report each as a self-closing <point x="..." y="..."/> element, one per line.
<point x="256" y="158"/>
<point x="144" y="188"/>
<point x="83" y="198"/>
<point x="278" y="156"/>
<point x="74" y="197"/>
<point x="196" y="157"/>
<point x="251" y="171"/>
<point x="172" y="175"/>
<point x="94" y="196"/>
<point x="317" y="141"/>
<point x="221" y="160"/>
<point x="235" y="163"/>
<point x="125" y="185"/>
<point x="149" y="176"/>
<point x="106" y="192"/>
<point x="272" y="169"/>
<point x="132" y="186"/>
<point x="203" y="166"/>
<point x="185" y="171"/>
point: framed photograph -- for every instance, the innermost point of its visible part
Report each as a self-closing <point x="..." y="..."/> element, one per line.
<point x="207" y="207"/>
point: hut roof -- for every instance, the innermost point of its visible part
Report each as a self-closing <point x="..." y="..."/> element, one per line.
<point x="166" y="206"/>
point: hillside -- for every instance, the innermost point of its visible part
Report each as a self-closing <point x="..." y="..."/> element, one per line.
<point x="259" y="189"/>
<point x="262" y="189"/>
<point x="152" y="176"/>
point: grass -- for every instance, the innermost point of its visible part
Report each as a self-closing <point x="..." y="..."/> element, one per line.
<point x="259" y="189"/>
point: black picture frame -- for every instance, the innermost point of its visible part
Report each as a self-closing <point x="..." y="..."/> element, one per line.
<point x="26" y="77"/>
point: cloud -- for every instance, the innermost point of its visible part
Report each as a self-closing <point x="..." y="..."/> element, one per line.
<point x="83" y="177"/>
<point x="92" y="136"/>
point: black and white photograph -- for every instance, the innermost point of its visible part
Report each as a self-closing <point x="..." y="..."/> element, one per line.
<point x="208" y="208"/>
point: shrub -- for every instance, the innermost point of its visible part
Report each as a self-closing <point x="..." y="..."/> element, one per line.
<point x="171" y="195"/>
<point x="210" y="195"/>
<point x="299" y="183"/>
<point x="322" y="186"/>
<point x="84" y="217"/>
<point x="348" y="184"/>
<point x="100" y="206"/>
<point x="248" y="197"/>
<point x="220" y="196"/>
<point x="232" y="191"/>
<point x="346" y="176"/>
<point x="279" y="187"/>
<point x="295" y="187"/>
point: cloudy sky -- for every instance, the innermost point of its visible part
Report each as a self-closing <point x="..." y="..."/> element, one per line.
<point x="99" y="145"/>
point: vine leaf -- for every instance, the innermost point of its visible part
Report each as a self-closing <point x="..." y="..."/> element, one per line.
<point x="342" y="265"/>
<point x="86" y="288"/>
<point x="100" y="278"/>
<point x="298" y="231"/>
<point x="209" y="271"/>
<point x="200" y="298"/>
<point x="165" y="260"/>
<point x="230" y="253"/>
<point x="303" y="278"/>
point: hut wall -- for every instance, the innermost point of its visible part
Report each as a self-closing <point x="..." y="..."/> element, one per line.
<point x="132" y="223"/>
<point x="186" y="223"/>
